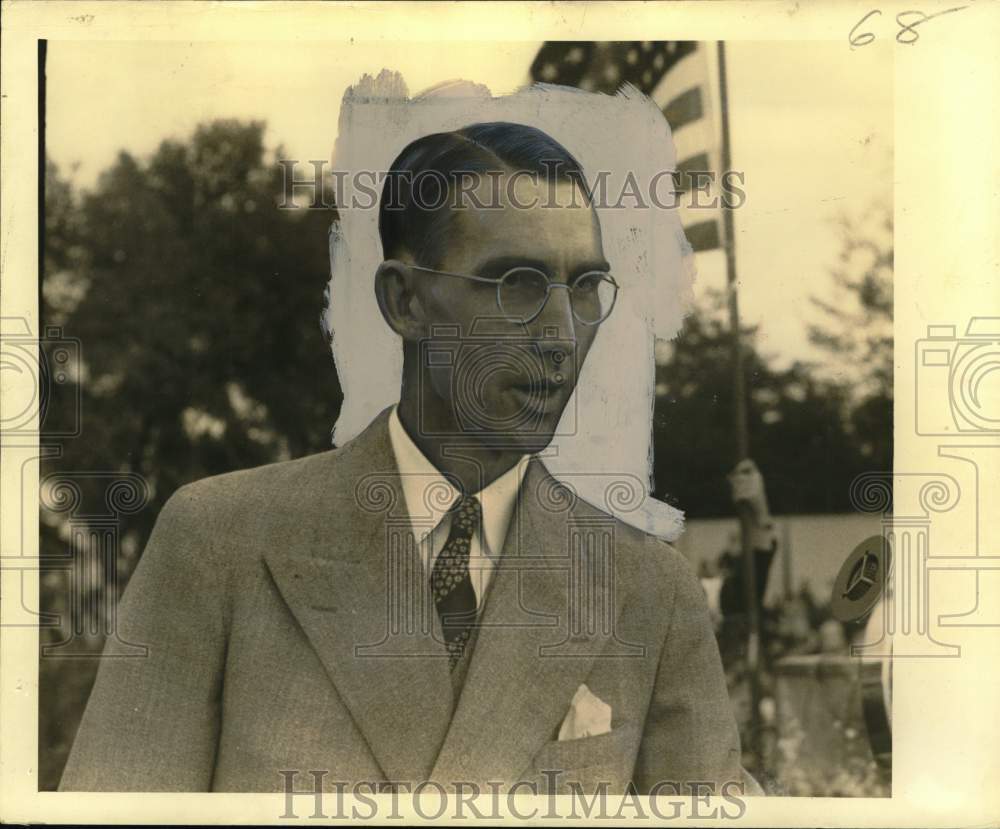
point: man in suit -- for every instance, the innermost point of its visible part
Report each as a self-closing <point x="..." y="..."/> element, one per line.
<point x="426" y="602"/>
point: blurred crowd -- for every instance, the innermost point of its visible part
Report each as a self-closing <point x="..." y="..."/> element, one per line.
<point x="809" y="736"/>
<point x="793" y="625"/>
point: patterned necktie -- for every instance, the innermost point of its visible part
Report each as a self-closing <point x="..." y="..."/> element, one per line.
<point x="451" y="583"/>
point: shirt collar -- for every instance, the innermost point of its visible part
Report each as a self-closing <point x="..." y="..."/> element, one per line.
<point x="429" y="494"/>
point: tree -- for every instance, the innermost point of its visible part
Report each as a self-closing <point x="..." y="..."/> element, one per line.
<point x="796" y="427"/>
<point x="812" y="428"/>
<point x="196" y="302"/>
<point x="857" y="330"/>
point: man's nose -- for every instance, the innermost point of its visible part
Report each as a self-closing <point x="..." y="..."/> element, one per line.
<point x="555" y="335"/>
<point x="556" y="318"/>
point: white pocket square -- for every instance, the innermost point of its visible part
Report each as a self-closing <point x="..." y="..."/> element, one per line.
<point x="588" y="716"/>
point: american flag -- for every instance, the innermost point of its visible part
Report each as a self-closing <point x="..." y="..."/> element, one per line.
<point x="674" y="74"/>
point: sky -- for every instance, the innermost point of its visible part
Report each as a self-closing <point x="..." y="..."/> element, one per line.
<point x="811" y="126"/>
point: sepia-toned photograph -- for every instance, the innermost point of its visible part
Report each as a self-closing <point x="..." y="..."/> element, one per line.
<point x="459" y="420"/>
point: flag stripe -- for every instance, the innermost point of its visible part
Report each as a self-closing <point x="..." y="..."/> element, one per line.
<point x="697" y="137"/>
<point x="684" y="108"/>
<point x="703" y="235"/>
<point x="696" y="163"/>
<point x="675" y="74"/>
<point x="690" y="70"/>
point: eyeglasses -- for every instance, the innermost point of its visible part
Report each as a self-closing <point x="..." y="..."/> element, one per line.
<point x="523" y="291"/>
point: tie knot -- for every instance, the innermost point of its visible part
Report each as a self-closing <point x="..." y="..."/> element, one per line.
<point x="466" y="513"/>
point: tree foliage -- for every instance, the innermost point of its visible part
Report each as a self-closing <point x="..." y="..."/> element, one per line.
<point x="797" y="433"/>
<point x="196" y="304"/>
<point x="856" y="330"/>
<point x="812" y="428"/>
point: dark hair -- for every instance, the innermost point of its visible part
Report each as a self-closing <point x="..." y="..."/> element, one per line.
<point x="410" y="220"/>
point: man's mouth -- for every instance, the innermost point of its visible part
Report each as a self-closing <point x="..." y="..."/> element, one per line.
<point x="541" y="394"/>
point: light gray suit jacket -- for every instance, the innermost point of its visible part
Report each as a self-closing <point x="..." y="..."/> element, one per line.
<point x="289" y="628"/>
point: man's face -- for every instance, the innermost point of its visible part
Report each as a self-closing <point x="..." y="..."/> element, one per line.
<point x="509" y="380"/>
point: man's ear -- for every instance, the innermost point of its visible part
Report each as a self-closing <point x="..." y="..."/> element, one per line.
<point x="398" y="300"/>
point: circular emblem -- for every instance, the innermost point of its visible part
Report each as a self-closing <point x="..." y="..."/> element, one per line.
<point x="861" y="580"/>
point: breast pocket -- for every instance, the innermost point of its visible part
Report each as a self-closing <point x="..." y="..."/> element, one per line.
<point x="590" y="762"/>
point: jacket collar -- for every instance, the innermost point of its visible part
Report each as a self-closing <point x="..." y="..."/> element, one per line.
<point x="428" y="493"/>
<point x="359" y="592"/>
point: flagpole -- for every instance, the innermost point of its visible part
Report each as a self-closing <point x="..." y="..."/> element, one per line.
<point x="740" y="427"/>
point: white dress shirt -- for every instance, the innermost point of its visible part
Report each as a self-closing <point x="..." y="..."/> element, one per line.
<point x="429" y="496"/>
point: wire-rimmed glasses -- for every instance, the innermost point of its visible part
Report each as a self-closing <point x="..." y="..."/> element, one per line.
<point x="523" y="291"/>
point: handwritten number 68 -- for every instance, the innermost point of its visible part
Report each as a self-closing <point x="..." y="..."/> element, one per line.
<point x="907" y="34"/>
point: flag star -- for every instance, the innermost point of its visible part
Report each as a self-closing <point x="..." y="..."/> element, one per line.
<point x="549" y="72"/>
<point x="574" y="55"/>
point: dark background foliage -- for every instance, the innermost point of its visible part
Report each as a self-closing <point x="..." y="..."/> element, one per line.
<point x="196" y="303"/>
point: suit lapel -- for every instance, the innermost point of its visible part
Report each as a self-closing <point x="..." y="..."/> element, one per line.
<point x="526" y="665"/>
<point x="360" y="595"/>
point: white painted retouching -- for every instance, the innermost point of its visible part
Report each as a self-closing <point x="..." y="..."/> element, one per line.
<point x="606" y="432"/>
